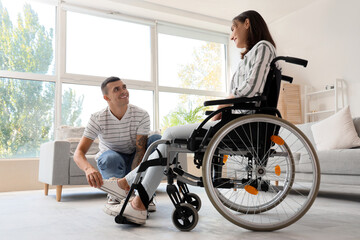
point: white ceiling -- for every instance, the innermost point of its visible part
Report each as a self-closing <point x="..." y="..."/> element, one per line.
<point x="209" y="14"/>
<point x="271" y="10"/>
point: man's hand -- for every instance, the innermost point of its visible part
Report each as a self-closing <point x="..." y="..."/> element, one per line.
<point x="93" y="177"/>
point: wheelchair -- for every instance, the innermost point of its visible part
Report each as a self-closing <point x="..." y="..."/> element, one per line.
<point x="259" y="171"/>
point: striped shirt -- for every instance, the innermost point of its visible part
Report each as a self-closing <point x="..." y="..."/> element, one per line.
<point x="118" y="135"/>
<point x="250" y="76"/>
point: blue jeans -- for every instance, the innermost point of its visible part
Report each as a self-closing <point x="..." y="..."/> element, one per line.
<point x="115" y="164"/>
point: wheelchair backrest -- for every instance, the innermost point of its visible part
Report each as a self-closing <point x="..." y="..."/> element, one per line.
<point x="273" y="81"/>
<point x="272" y="87"/>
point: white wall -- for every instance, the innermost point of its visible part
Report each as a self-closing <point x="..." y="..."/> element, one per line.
<point x="327" y="34"/>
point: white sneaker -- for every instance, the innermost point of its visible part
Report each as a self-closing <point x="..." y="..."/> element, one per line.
<point x="110" y="186"/>
<point x="112" y="200"/>
<point x="114" y="209"/>
<point x="152" y="206"/>
<point x="111" y="209"/>
<point x="132" y="215"/>
<point x="135" y="216"/>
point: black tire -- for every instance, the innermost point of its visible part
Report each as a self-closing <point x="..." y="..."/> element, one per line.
<point x="193" y="199"/>
<point x="185" y="217"/>
<point x="298" y="180"/>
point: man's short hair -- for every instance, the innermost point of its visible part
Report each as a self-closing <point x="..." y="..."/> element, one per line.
<point x="106" y="81"/>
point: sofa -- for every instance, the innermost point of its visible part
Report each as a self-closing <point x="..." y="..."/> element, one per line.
<point x="57" y="165"/>
<point x="338" y="166"/>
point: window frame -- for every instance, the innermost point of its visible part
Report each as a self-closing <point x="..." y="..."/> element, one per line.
<point x="61" y="76"/>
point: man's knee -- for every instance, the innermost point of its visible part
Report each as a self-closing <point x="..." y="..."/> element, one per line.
<point x="110" y="160"/>
<point x="153" y="138"/>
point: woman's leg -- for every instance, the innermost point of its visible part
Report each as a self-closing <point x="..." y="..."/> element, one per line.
<point x="153" y="175"/>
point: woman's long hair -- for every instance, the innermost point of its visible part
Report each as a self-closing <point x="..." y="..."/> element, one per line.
<point x="258" y="29"/>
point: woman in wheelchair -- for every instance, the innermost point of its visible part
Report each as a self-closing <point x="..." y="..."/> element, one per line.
<point x="250" y="33"/>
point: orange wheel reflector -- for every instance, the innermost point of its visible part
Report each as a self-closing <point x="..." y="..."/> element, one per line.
<point x="277" y="170"/>
<point x="225" y="158"/>
<point x="278" y="140"/>
<point x="251" y="190"/>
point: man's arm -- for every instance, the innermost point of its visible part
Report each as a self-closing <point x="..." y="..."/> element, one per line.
<point x="93" y="176"/>
<point x="141" y="141"/>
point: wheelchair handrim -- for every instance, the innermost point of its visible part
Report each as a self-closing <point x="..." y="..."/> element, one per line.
<point x="210" y="190"/>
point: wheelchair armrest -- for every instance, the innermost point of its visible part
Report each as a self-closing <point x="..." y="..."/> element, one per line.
<point x="180" y="141"/>
<point x="235" y="100"/>
<point x="208" y="112"/>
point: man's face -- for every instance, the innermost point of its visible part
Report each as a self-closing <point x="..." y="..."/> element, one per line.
<point x="117" y="93"/>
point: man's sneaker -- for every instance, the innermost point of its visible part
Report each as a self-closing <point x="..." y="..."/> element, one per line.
<point x="112" y="200"/>
<point x="110" y="186"/>
<point x="152" y="206"/>
<point x="132" y="215"/>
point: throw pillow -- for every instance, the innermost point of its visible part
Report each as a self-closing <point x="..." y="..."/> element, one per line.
<point x="65" y="132"/>
<point x="94" y="148"/>
<point x="336" y="132"/>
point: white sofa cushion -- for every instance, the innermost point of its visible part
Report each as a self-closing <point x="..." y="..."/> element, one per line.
<point x="73" y="136"/>
<point x="74" y="142"/>
<point x="66" y="132"/>
<point x="338" y="161"/>
<point x="336" y="132"/>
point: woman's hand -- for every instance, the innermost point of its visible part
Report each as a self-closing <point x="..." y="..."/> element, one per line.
<point x="216" y="117"/>
<point x="219" y="115"/>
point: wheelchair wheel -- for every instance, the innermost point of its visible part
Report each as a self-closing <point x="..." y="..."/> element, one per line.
<point x="261" y="172"/>
<point x="185" y="217"/>
<point x="193" y="200"/>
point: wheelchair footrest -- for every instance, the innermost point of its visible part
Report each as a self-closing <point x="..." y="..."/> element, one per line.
<point x="122" y="220"/>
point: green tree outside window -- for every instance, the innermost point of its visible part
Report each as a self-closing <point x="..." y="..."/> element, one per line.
<point x="27" y="107"/>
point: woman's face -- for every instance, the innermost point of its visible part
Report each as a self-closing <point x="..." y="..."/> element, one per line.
<point x="239" y="33"/>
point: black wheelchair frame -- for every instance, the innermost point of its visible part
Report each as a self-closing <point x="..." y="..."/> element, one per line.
<point x="198" y="141"/>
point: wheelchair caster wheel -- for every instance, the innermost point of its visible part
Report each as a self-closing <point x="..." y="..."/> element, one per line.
<point x="185" y="217"/>
<point x="193" y="199"/>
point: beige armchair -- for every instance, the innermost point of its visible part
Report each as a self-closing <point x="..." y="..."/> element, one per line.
<point x="57" y="166"/>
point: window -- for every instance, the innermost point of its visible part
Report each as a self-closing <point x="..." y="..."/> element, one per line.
<point x="27" y="38"/>
<point x="194" y="61"/>
<point x="26" y="116"/>
<point x="79" y="102"/>
<point x="169" y="69"/>
<point x="103" y="47"/>
<point x="191" y="63"/>
<point x="27" y="66"/>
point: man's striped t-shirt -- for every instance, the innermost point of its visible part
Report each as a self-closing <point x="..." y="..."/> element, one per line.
<point x="250" y="76"/>
<point x="118" y="135"/>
